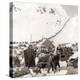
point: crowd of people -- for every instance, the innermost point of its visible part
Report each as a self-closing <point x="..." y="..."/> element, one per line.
<point x="37" y="60"/>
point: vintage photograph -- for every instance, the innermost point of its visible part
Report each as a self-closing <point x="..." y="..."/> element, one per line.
<point x="43" y="39"/>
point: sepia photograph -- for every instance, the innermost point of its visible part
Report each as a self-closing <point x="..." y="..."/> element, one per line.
<point x="43" y="39"/>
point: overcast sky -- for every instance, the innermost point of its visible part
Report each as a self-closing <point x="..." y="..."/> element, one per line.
<point x="71" y="10"/>
<point x="30" y="22"/>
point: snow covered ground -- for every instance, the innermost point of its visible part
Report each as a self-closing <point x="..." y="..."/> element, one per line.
<point x="64" y="70"/>
<point x="44" y="73"/>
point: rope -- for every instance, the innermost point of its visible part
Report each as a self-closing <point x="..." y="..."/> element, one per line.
<point x="60" y="29"/>
<point x="57" y="32"/>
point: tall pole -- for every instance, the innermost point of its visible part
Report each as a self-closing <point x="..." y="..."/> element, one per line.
<point x="30" y="38"/>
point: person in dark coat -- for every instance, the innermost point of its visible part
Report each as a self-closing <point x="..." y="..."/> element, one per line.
<point x="56" y="60"/>
<point x="29" y="56"/>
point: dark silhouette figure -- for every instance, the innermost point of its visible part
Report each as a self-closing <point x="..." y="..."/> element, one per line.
<point x="29" y="56"/>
